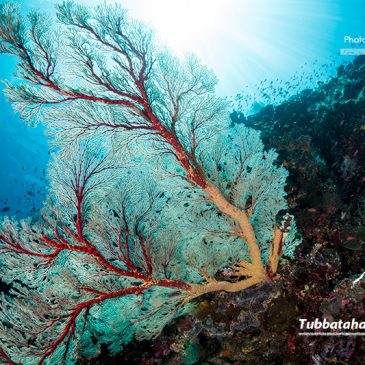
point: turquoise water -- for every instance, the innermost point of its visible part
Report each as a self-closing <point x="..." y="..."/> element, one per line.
<point x="250" y="47"/>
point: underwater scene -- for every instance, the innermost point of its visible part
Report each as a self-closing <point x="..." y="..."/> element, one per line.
<point x="182" y="182"/>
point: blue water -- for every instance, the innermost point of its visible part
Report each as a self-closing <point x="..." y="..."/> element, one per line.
<point x="24" y="158"/>
<point x="274" y="41"/>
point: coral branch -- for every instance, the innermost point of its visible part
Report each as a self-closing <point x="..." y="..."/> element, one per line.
<point x="69" y="329"/>
<point x="198" y="290"/>
<point x="247" y="233"/>
<point x="5" y="356"/>
<point x="94" y="252"/>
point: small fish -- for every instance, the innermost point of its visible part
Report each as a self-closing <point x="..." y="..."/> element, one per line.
<point x="248" y="203"/>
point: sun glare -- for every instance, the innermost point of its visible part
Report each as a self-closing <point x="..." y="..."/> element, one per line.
<point x="182" y="25"/>
<point x="243" y="41"/>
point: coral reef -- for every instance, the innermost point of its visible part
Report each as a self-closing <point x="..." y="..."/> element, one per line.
<point x="320" y="137"/>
